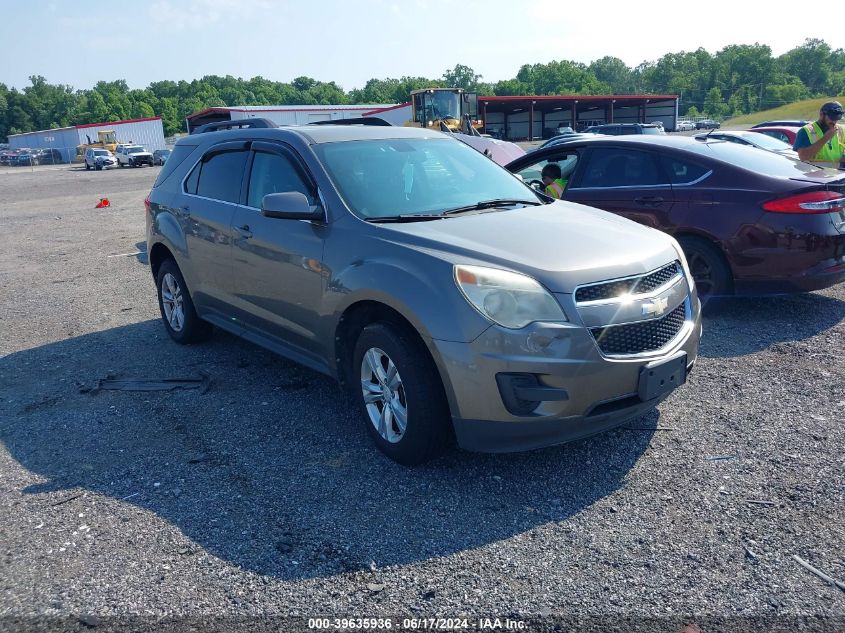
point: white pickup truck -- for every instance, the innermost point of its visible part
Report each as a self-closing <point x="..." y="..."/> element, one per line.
<point x="133" y="156"/>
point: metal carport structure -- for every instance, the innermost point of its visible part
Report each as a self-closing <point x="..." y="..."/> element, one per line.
<point x="527" y="117"/>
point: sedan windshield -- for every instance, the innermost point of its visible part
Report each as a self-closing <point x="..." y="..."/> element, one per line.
<point x="390" y="177"/>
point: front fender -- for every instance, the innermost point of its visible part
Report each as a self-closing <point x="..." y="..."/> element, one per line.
<point x="422" y="289"/>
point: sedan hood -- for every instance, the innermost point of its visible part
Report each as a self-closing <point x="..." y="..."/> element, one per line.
<point x="562" y="245"/>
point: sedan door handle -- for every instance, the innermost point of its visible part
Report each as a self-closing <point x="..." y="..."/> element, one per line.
<point x="649" y="201"/>
<point x="244" y="231"/>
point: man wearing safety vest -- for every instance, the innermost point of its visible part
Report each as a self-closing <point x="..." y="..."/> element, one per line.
<point x="553" y="181"/>
<point x="822" y="142"/>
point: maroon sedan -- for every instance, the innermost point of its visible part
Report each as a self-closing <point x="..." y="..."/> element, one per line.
<point x="749" y="221"/>
<point x="784" y="133"/>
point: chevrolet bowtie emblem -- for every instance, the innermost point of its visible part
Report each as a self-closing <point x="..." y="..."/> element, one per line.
<point x="656" y="307"/>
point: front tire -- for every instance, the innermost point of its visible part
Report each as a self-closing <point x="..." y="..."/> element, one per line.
<point x="177" y="309"/>
<point x="707" y="265"/>
<point x="398" y="389"/>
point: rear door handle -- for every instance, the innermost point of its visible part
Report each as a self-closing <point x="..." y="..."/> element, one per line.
<point x="244" y="231"/>
<point x="649" y="201"/>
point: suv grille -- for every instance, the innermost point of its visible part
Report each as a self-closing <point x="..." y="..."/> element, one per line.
<point x="634" y="285"/>
<point x="637" y="338"/>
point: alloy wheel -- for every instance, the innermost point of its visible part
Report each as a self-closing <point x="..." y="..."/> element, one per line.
<point x="173" y="302"/>
<point x="384" y="395"/>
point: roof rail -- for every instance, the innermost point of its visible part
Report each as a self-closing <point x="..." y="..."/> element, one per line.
<point x="237" y="124"/>
<point x="364" y="120"/>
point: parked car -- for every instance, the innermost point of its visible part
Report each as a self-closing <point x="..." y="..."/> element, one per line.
<point x="442" y="291"/>
<point x="26" y="157"/>
<point x="754" y="139"/>
<point x="50" y="157"/>
<point x="160" y="156"/>
<point x="782" y="133"/>
<point x="619" y="129"/>
<point x="749" y="221"/>
<point x="707" y="124"/>
<point x="9" y="156"/>
<point x="98" y="159"/>
<point x="781" y="123"/>
<point x="133" y="156"/>
<point x="684" y="125"/>
<point x="568" y="137"/>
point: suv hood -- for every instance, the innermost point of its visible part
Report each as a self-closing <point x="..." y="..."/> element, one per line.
<point x="562" y="244"/>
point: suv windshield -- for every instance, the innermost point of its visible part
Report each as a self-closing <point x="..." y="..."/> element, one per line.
<point x="134" y="150"/>
<point x="389" y="177"/>
<point x="100" y="152"/>
<point x="647" y="129"/>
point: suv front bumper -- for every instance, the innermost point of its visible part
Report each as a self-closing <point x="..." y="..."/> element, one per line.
<point x="590" y="392"/>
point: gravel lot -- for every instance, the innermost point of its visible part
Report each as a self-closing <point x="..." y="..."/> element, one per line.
<point x="262" y="496"/>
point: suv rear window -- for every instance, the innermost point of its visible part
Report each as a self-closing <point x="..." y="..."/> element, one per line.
<point x="221" y="176"/>
<point x="176" y="158"/>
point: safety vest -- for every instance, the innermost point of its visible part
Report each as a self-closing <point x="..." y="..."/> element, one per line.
<point x="555" y="190"/>
<point x="831" y="152"/>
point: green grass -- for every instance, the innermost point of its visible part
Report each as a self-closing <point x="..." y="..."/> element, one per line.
<point x="808" y="109"/>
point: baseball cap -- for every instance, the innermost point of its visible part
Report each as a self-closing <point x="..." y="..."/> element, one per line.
<point x="833" y="109"/>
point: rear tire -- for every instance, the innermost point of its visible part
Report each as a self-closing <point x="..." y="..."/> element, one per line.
<point x="177" y="309"/>
<point x="707" y="264"/>
<point x="398" y="390"/>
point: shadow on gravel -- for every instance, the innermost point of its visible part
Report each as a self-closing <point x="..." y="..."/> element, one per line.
<point x="736" y="326"/>
<point x="269" y="469"/>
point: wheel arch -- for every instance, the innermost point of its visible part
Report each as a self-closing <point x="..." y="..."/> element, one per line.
<point x="362" y="313"/>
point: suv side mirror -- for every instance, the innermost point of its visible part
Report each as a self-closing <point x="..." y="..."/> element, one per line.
<point x="290" y="205"/>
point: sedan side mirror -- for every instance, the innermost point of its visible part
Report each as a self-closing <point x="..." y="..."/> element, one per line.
<point x="290" y="205"/>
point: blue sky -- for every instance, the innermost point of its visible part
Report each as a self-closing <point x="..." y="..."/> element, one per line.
<point x="351" y="42"/>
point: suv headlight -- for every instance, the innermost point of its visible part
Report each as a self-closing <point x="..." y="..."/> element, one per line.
<point x="684" y="264"/>
<point x="510" y="299"/>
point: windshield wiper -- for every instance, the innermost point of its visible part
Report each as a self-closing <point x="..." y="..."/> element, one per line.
<point x="405" y="217"/>
<point x="490" y="204"/>
<point x="422" y="217"/>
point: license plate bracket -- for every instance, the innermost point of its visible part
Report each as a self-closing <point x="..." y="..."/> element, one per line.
<point x="660" y="377"/>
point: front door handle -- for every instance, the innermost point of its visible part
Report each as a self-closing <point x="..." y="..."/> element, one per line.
<point x="649" y="201"/>
<point x="244" y="231"/>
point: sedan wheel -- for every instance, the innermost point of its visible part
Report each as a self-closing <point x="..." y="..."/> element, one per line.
<point x="707" y="265"/>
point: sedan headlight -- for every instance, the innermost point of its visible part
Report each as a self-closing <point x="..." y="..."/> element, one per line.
<point x="510" y="299"/>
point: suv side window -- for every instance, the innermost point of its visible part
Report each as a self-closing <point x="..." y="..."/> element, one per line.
<point x="611" y="167"/>
<point x="275" y="173"/>
<point x="219" y="175"/>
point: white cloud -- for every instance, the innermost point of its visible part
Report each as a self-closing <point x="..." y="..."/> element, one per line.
<point x="200" y="14"/>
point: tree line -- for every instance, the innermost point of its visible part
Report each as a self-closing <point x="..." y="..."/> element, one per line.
<point x="739" y="79"/>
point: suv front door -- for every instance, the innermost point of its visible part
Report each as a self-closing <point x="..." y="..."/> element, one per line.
<point x="277" y="263"/>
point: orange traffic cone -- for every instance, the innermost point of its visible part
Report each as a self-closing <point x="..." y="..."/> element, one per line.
<point x="104" y="202"/>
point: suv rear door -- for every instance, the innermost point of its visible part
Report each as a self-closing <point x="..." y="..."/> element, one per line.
<point x="277" y="263"/>
<point x="212" y="191"/>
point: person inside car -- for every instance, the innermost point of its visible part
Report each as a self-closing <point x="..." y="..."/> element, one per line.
<point x="555" y="184"/>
